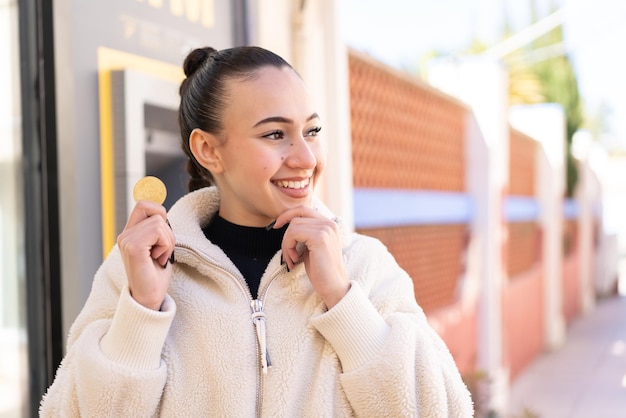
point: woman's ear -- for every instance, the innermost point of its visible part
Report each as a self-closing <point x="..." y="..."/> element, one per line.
<point x="203" y="146"/>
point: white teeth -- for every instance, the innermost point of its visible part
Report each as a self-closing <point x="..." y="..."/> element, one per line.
<point x="293" y="184"/>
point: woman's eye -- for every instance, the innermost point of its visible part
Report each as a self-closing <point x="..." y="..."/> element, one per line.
<point x="314" y="131"/>
<point x="274" y="135"/>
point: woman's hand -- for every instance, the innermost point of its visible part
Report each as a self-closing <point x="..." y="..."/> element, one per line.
<point x="314" y="240"/>
<point x="146" y="245"/>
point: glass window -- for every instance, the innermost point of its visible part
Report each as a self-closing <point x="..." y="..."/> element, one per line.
<point x="13" y="335"/>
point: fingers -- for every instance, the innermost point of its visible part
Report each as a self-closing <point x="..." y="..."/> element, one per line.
<point x="144" y="209"/>
<point x="315" y="240"/>
<point x="146" y="245"/>
<point x="305" y="235"/>
<point x="149" y="237"/>
<point x="308" y="231"/>
<point x="290" y="256"/>
<point x="162" y="253"/>
<point x="298" y="212"/>
<point x="147" y="234"/>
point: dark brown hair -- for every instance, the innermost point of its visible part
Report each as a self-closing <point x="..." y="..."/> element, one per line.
<point x="203" y="94"/>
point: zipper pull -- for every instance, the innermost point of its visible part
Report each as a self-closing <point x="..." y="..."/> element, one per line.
<point x="258" y="319"/>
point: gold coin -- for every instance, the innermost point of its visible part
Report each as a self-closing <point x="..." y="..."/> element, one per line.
<point x="150" y="188"/>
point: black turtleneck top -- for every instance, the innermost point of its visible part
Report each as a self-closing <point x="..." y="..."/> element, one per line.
<point x="249" y="248"/>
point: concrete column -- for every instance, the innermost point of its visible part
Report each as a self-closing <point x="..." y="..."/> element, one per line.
<point x="581" y="149"/>
<point x="482" y="84"/>
<point x="270" y="25"/>
<point x="546" y="123"/>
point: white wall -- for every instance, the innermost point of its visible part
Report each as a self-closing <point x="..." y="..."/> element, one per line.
<point x="546" y="124"/>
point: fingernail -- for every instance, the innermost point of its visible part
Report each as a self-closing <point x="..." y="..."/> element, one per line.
<point x="287" y="266"/>
<point x="172" y="259"/>
<point x="281" y="260"/>
<point x="166" y="263"/>
<point x="168" y="223"/>
<point x="271" y="225"/>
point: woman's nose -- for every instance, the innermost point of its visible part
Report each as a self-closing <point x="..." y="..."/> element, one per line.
<point x="301" y="154"/>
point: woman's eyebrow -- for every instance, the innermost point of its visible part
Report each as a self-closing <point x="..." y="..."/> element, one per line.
<point x="313" y="116"/>
<point x="280" y="119"/>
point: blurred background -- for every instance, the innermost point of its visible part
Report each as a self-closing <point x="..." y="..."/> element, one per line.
<point x="552" y="48"/>
<point x="482" y="141"/>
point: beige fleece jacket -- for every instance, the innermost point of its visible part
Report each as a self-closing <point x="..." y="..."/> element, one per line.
<point x="372" y="355"/>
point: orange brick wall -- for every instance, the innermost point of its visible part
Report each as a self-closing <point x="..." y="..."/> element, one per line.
<point x="570" y="236"/>
<point x="457" y="327"/>
<point x="523" y="244"/>
<point x="431" y="254"/>
<point x="407" y="135"/>
<point x="572" y="302"/>
<point x="522" y="164"/>
<point x="522" y="319"/>
<point x="524" y="247"/>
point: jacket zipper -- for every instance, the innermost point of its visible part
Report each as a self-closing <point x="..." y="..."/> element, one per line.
<point x="258" y="319"/>
<point x="257" y="316"/>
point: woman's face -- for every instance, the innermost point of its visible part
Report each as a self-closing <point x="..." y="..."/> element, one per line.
<point x="271" y="156"/>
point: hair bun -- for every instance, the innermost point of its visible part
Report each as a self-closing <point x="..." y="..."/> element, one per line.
<point x="196" y="59"/>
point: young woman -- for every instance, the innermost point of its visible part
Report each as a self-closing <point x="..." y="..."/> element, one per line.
<point x="271" y="307"/>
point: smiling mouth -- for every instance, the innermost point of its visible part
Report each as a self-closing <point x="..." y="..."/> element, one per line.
<point x="289" y="184"/>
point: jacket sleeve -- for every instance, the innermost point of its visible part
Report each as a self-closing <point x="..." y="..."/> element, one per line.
<point x="394" y="363"/>
<point x="113" y="364"/>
